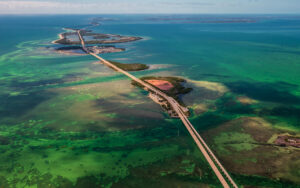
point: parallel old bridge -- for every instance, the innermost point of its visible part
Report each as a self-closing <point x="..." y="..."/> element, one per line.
<point x="214" y="163"/>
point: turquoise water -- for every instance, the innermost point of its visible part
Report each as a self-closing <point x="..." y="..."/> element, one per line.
<point x="68" y="122"/>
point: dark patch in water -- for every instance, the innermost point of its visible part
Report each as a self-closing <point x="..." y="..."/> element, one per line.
<point x="15" y="106"/>
<point x="24" y="85"/>
<point x="215" y="75"/>
<point x="87" y="182"/>
<point x="28" y="86"/>
<point x="228" y="104"/>
<point x="290" y="114"/>
<point x="4" y="140"/>
<point x="209" y="120"/>
<point x="265" y="91"/>
<point x="283" y="111"/>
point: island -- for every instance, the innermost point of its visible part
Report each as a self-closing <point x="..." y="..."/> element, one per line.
<point x="130" y="66"/>
<point x="191" y="19"/>
<point x="97" y="21"/>
<point x="172" y="86"/>
<point x="71" y="38"/>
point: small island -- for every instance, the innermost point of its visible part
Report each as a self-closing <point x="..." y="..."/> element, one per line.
<point x="97" y="21"/>
<point x="201" y="20"/>
<point x="130" y="66"/>
<point x="172" y="86"/>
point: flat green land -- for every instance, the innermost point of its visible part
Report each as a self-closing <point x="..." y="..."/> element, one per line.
<point x="130" y="66"/>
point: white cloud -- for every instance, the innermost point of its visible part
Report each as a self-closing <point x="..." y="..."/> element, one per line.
<point x="40" y="7"/>
<point x="44" y="7"/>
<point x="28" y="4"/>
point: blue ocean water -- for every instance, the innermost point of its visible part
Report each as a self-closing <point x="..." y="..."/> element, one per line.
<point x="184" y="40"/>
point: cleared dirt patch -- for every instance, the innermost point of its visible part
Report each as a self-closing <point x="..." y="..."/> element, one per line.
<point x="161" y="84"/>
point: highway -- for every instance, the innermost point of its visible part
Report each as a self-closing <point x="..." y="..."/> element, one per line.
<point x="212" y="160"/>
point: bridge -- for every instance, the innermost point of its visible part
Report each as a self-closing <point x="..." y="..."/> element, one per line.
<point x="212" y="160"/>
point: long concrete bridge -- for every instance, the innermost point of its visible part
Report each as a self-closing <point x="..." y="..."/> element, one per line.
<point x="214" y="163"/>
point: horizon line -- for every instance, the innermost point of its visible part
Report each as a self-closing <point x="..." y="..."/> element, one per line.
<point x="150" y="14"/>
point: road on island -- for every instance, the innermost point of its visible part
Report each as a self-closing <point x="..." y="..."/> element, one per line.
<point x="212" y="160"/>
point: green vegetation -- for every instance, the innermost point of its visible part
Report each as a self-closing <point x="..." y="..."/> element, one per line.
<point x="130" y="66"/>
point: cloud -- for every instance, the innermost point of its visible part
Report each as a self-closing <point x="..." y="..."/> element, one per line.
<point x="28" y="4"/>
<point x="40" y="7"/>
<point x="90" y="7"/>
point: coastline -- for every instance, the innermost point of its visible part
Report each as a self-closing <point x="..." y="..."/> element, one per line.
<point x="60" y="36"/>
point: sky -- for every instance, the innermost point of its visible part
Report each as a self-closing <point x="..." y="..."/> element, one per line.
<point x="149" y="6"/>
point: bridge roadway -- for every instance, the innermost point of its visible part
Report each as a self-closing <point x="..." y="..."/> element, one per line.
<point x="215" y="164"/>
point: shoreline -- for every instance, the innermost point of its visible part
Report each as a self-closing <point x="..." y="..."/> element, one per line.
<point x="60" y="36"/>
